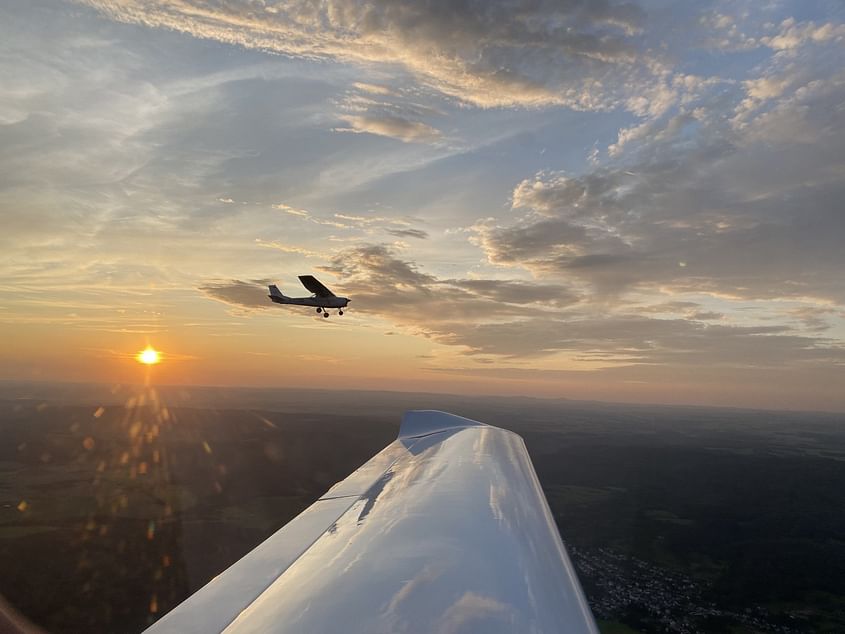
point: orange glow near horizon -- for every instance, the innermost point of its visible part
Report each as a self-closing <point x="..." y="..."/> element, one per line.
<point x="149" y="356"/>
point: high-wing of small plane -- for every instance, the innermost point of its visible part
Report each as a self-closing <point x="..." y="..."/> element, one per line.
<point x="322" y="299"/>
<point x="445" y="530"/>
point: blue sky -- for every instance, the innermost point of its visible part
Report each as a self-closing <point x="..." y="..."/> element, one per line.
<point x="625" y="201"/>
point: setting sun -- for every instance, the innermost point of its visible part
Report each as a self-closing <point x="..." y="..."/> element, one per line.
<point x="148" y="356"/>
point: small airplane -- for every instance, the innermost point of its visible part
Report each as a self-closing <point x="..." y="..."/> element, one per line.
<point x="322" y="298"/>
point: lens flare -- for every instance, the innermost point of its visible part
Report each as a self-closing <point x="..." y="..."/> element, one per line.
<point x="148" y="356"/>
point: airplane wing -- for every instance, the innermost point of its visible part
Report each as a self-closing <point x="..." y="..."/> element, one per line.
<point x="315" y="286"/>
<point x="444" y="530"/>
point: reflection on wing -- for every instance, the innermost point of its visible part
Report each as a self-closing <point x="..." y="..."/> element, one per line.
<point x="445" y="530"/>
<point x="315" y="286"/>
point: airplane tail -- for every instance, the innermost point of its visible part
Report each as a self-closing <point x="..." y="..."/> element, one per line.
<point x="275" y="292"/>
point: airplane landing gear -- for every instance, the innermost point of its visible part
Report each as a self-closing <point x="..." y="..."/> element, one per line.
<point x="326" y="314"/>
<point x="319" y="309"/>
<point x="340" y="312"/>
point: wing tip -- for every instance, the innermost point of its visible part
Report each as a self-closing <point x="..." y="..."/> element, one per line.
<point x="422" y="422"/>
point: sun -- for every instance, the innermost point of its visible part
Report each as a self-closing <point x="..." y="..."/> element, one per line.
<point x="148" y="356"/>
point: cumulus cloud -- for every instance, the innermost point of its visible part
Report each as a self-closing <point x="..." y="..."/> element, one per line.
<point x="647" y="234"/>
<point x="609" y="350"/>
<point x="731" y="194"/>
<point x="793" y="34"/>
<point x="492" y="54"/>
<point x="712" y="204"/>
<point x="490" y="318"/>
<point x="724" y="33"/>
<point x="385" y="284"/>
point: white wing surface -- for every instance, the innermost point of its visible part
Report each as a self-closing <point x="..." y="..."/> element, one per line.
<point x="445" y="530"/>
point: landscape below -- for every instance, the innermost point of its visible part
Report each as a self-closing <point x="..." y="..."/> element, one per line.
<point x="118" y="502"/>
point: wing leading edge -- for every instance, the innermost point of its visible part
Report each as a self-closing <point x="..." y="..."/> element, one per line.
<point x="446" y="529"/>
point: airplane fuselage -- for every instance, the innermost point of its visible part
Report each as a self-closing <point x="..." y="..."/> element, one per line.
<point x="322" y="299"/>
<point x="319" y="302"/>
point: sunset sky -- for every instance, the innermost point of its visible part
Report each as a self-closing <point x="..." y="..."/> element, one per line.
<point x="639" y="201"/>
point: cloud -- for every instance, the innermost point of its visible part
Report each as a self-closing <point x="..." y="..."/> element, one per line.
<point x="704" y="315"/>
<point x="815" y="318"/>
<point x="384" y="284"/>
<point x="722" y="32"/>
<point x="373" y="88"/>
<point x="251" y="295"/>
<point x="793" y="34"/>
<point x="291" y="210"/>
<point x="287" y="248"/>
<point x="390" y="126"/>
<point x="511" y="320"/>
<point x="419" y="234"/>
<point x="740" y="205"/>
<point x="496" y="54"/>
<point x="631" y="339"/>
<point x="517" y="292"/>
<point x="389" y="113"/>
<point x="726" y="198"/>
<point x="703" y="237"/>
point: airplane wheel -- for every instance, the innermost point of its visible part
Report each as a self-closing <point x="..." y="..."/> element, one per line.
<point x="326" y="314"/>
<point x="340" y="312"/>
<point x="319" y="310"/>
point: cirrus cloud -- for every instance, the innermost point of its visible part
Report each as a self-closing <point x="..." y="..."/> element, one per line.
<point x="500" y="53"/>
